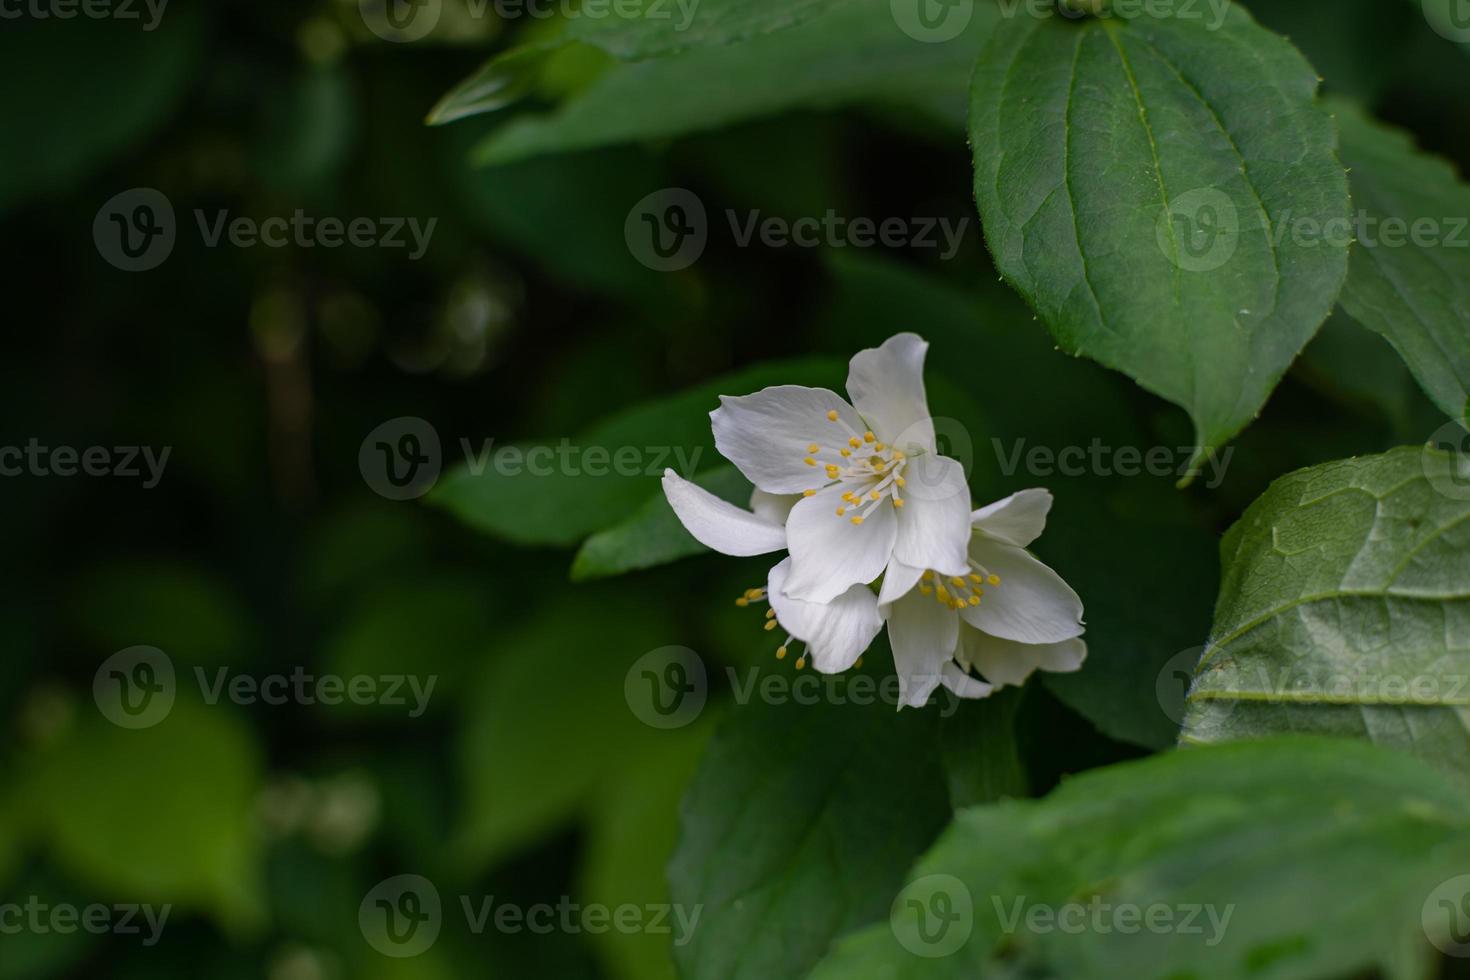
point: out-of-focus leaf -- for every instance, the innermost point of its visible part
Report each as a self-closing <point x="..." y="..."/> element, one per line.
<point x="161" y="814"/>
<point x="981" y="757"/>
<point x="558" y="494"/>
<point x="1136" y="193"/>
<point x="798" y="828"/>
<point x="98" y="86"/>
<point x="659" y="27"/>
<point x="548" y="724"/>
<point x="1322" y="853"/>
<point x="182" y="610"/>
<point x="1344" y="609"/>
<point x="1410" y="282"/>
<point x="631" y="836"/>
<point x="856" y="53"/>
<point x="652" y="535"/>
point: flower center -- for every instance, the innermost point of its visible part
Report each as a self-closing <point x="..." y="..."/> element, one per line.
<point x="958" y="591"/>
<point x="869" y="471"/>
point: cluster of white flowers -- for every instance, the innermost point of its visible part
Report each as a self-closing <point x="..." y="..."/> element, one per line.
<point x="878" y="528"/>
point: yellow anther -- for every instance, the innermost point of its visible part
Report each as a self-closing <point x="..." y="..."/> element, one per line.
<point x="874" y="495"/>
<point x="841" y="511"/>
<point x="976" y="578"/>
<point x="994" y="580"/>
<point x="770" y="614"/>
<point x="813" y="448"/>
<point x="897" y="502"/>
<point x="859" y="663"/>
<point x="742" y="601"/>
<point x="974" y="600"/>
<point x="878" y="447"/>
<point x="845" y="452"/>
<point x="800" y="662"/>
<point x="832" y="415"/>
<point x="897" y="454"/>
<point x="809" y="461"/>
<point x="770" y="624"/>
<point x="926" y="576"/>
<point x="809" y="493"/>
<point x="926" y="590"/>
<point x="847" y="496"/>
<point x="832" y="471"/>
<point x="857" y="520"/>
<point x="854" y="442"/>
<point x="900" y="481"/>
<point x="869" y="437"/>
<point x="957" y="581"/>
<point x="780" y="653"/>
<point x="942" y="592"/>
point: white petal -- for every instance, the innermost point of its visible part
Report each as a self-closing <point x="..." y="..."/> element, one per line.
<point x="773" y="507"/>
<point x="934" y="521"/>
<point x="962" y="684"/>
<point x="719" y="524"/>
<point x="887" y="385"/>
<point x="1031" y="605"/>
<point x="1018" y="519"/>
<point x="837" y="632"/>
<point x="924" y="635"/>
<point x="830" y="554"/>
<point x="1006" y="662"/>
<point x="898" y="581"/>
<point x="767" y="435"/>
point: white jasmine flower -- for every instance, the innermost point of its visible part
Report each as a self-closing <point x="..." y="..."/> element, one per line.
<point x="837" y="632"/>
<point x="1006" y="616"/>
<point x="875" y="490"/>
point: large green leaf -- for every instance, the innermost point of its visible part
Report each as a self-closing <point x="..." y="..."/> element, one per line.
<point x="981" y="757"/>
<point x="1322" y="854"/>
<point x="652" y="535"/>
<point x="647" y="28"/>
<point x="1345" y="609"/>
<point x="1135" y="179"/>
<point x="856" y="53"/>
<point x="1410" y="273"/>
<point x="797" y="828"/>
<point x="579" y="486"/>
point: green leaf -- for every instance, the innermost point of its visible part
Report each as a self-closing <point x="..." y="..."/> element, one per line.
<point x="161" y="814"/>
<point x="659" y="27"/>
<point x="546" y="724"/>
<point x="979" y="748"/>
<point x="855" y="53"/>
<point x="797" y="827"/>
<point x="580" y="486"/>
<point x="1321" y="852"/>
<point x="652" y="535"/>
<point x="99" y="85"/>
<point x="1410" y="281"/>
<point x="1133" y="177"/>
<point x="1344" y="609"/>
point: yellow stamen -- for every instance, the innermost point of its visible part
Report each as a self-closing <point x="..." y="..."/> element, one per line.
<point x="974" y="600"/>
<point x="976" y="578"/>
<point x="857" y="520"/>
<point x="957" y="581"/>
<point x="770" y="624"/>
<point x="900" y="481"/>
<point x="878" y="447"/>
<point x="869" y="437"/>
<point x="874" y="495"/>
<point x="809" y="461"/>
<point x="854" y="442"/>
<point x="841" y="511"/>
<point x="994" y="580"/>
<point x="813" y="448"/>
<point x="800" y="662"/>
<point x="742" y="601"/>
<point x="770" y="613"/>
<point x="845" y="452"/>
<point x="809" y="493"/>
<point x="832" y="415"/>
<point x="780" y="653"/>
<point x="897" y="502"/>
<point x="859" y="662"/>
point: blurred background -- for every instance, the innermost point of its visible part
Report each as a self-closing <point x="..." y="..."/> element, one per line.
<point x="238" y="522"/>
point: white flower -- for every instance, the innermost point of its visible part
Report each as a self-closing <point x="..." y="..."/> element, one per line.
<point x="837" y="632"/>
<point x="876" y="490"/>
<point x="1006" y="616"/>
